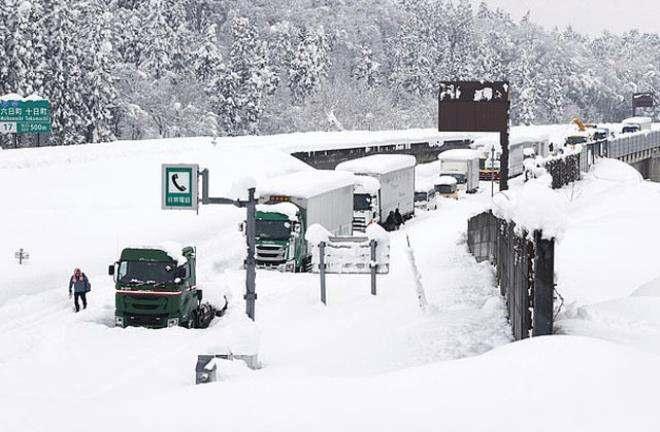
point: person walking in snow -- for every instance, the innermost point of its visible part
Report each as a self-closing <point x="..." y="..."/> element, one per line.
<point x="390" y="222"/>
<point x="79" y="285"/>
<point x="398" y="219"/>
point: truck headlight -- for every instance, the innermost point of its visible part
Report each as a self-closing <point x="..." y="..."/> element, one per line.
<point x="173" y="322"/>
<point x="119" y="321"/>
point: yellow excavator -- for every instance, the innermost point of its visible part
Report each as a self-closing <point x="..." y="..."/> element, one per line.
<point x="581" y="137"/>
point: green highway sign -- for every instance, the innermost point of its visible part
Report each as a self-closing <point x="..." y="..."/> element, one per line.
<point x="179" y="187"/>
<point x="25" y="116"/>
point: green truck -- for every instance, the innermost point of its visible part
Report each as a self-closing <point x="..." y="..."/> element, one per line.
<point x="156" y="289"/>
<point x="291" y="203"/>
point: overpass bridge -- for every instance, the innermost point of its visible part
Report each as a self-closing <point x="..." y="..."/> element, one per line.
<point x="640" y="150"/>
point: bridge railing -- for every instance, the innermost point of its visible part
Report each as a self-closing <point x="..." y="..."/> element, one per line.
<point x="633" y="143"/>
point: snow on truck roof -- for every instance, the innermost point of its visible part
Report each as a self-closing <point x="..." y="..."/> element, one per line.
<point x="637" y="120"/>
<point x="366" y="184"/>
<point x="378" y="164"/>
<point x="305" y="184"/>
<point x="288" y="209"/>
<point x="424" y="184"/>
<point x="459" y="154"/>
<point x="446" y="180"/>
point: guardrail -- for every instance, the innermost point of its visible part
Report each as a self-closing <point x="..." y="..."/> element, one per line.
<point x="628" y="144"/>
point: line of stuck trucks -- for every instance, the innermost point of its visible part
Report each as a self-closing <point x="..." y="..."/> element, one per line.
<point x="156" y="287"/>
<point x="349" y="198"/>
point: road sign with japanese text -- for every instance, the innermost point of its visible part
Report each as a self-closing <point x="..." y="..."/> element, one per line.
<point x="25" y="116"/>
<point x="179" y="187"/>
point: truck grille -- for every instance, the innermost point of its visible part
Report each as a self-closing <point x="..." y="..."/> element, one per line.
<point x="359" y="224"/>
<point x="270" y="254"/>
<point x="156" y="320"/>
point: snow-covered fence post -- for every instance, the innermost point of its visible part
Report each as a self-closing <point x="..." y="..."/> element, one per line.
<point x="322" y="270"/>
<point x="373" y="264"/>
<point x="544" y="285"/>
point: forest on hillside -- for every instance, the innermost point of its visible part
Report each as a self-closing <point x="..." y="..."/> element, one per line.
<point x="136" y="69"/>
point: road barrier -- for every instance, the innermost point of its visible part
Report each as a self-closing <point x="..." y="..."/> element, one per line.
<point x="525" y="271"/>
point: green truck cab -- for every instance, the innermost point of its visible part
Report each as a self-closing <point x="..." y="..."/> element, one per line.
<point x="291" y="203"/>
<point x="156" y="290"/>
<point x="279" y="243"/>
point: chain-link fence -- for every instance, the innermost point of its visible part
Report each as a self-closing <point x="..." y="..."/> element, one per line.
<point x="525" y="271"/>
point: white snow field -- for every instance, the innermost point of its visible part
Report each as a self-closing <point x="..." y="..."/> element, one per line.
<point x="361" y="363"/>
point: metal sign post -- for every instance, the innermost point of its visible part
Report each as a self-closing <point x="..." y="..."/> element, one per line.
<point x="21" y="255"/>
<point x="350" y="255"/>
<point x="642" y="100"/>
<point x="180" y="192"/>
<point x="477" y="106"/>
<point x="322" y="271"/>
<point x="25" y="116"/>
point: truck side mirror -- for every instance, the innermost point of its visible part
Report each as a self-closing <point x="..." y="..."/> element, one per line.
<point x="180" y="273"/>
<point x="111" y="270"/>
<point x="241" y="227"/>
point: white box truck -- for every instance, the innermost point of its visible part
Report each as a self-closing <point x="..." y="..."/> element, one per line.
<point x="637" y="124"/>
<point x="463" y="165"/>
<point x="396" y="182"/>
<point x="289" y="204"/>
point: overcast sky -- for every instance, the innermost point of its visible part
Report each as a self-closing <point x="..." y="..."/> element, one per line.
<point x="588" y="16"/>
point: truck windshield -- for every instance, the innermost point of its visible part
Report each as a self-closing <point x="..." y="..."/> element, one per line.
<point x="421" y="196"/>
<point x="143" y="272"/>
<point x="273" y="229"/>
<point x="361" y="202"/>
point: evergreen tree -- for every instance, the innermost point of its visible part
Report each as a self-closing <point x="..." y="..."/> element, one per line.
<point x="207" y="60"/>
<point x="308" y="65"/>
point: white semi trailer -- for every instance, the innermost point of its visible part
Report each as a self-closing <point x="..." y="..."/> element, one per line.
<point x="290" y="204"/>
<point x="463" y="165"/>
<point x="396" y="187"/>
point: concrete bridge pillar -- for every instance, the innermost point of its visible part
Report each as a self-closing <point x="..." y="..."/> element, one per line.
<point x="654" y="166"/>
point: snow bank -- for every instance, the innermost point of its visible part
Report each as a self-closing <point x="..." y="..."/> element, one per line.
<point x="239" y="188"/>
<point x="305" y="184"/>
<point x="424" y="184"/>
<point x="378" y="164"/>
<point x="316" y="234"/>
<point x="288" y="209"/>
<point x="459" y="155"/>
<point x="616" y="171"/>
<point x="593" y="386"/>
<point x="649" y="289"/>
<point x="533" y="206"/>
<point x="430" y="169"/>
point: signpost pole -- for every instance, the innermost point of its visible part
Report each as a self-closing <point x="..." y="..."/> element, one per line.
<point x="322" y="270"/>
<point x="492" y="171"/>
<point x="504" y="160"/>
<point x="373" y="265"/>
<point x="250" y="262"/>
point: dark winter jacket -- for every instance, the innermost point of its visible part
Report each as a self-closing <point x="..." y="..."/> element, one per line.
<point x="390" y="222"/>
<point x="397" y="217"/>
<point x="79" y="285"/>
